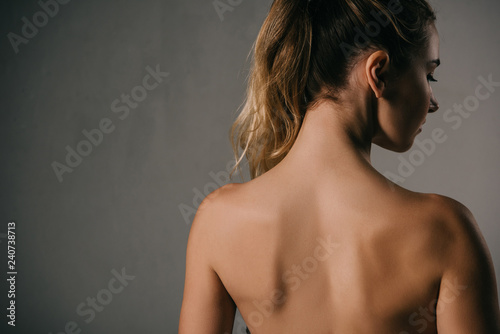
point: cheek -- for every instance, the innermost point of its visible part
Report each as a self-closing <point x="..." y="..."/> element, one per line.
<point x="420" y="100"/>
<point x="426" y="99"/>
<point x="404" y="111"/>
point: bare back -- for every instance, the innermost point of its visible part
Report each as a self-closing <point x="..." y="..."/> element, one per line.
<point x="357" y="256"/>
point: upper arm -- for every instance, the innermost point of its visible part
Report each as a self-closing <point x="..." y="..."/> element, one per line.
<point x="206" y="307"/>
<point x="468" y="301"/>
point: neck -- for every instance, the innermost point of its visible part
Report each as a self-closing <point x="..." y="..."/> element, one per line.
<point x="332" y="137"/>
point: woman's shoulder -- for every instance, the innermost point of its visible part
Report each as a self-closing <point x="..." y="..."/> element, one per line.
<point x="457" y="224"/>
<point x="451" y="212"/>
<point x="444" y="225"/>
<point x="451" y="216"/>
<point x="219" y="196"/>
<point x="216" y="205"/>
<point x="468" y="271"/>
<point x="439" y="206"/>
<point x="221" y="212"/>
<point x="211" y="221"/>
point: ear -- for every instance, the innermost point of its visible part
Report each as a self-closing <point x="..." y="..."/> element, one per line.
<point x="376" y="69"/>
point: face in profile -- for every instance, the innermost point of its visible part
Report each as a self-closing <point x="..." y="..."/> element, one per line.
<point x="408" y="99"/>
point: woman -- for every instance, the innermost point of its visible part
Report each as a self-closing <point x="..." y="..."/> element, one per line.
<point x="318" y="241"/>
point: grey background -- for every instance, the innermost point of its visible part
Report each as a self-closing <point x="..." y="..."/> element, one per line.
<point x="120" y="207"/>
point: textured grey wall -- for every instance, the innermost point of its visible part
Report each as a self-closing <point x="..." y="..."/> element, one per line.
<point x="123" y="209"/>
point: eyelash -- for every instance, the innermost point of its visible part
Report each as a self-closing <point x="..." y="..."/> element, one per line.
<point x="431" y="78"/>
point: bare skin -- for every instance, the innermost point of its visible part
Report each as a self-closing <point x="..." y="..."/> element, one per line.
<point x="322" y="243"/>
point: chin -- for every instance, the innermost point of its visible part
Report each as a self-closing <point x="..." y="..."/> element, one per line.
<point x="398" y="147"/>
<point x="405" y="148"/>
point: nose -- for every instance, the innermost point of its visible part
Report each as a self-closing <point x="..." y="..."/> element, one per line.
<point x="434" y="105"/>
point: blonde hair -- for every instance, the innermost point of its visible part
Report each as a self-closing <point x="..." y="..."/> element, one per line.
<point x="291" y="67"/>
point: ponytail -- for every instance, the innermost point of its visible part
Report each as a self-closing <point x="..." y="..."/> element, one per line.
<point x="275" y="105"/>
